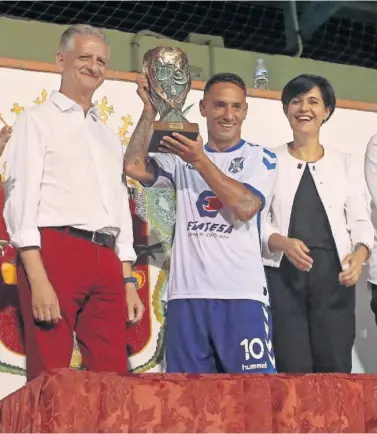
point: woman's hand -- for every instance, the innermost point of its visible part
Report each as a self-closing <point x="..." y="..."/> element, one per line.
<point x="297" y="253"/>
<point x="352" y="266"/>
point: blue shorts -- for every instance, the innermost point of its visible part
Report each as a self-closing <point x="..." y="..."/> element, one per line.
<point x="228" y="336"/>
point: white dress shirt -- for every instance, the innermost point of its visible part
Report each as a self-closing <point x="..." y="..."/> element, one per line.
<point x="65" y="169"/>
<point x="343" y="194"/>
<point x="371" y="179"/>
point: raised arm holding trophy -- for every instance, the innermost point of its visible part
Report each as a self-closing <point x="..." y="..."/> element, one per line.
<point x="168" y="74"/>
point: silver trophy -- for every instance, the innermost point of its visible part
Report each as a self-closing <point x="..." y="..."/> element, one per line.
<point x="168" y="74"/>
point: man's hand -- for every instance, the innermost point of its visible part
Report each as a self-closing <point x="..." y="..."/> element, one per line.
<point x="190" y="151"/>
<point x="297" y="253"/>
<point x="45" y="303"/>
<point x="5" y="134"/>
<point x="134" y="304"/>
<point x="352" y="266"/>
<point x="142" y="91"/>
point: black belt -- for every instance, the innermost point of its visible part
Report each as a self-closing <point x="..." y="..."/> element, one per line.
<point x="101" y="238"/>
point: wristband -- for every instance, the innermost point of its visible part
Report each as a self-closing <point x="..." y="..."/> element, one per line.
<point x="131" y="280"/>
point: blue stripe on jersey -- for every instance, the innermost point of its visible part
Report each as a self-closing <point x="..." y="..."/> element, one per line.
<point x="269" y="166"/>
<point x="269" y="153"/>
<point x="257" y="193"/>
<point x="162" y="172"/>
<point x="231" y="149"/>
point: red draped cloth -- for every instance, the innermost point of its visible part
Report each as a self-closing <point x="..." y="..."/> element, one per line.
<point x="71" y="401"/>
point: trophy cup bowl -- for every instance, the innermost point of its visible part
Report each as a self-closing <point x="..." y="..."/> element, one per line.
<point x="168" y="74"/>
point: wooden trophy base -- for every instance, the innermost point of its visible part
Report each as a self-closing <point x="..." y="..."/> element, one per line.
<point x="163" y="128"/>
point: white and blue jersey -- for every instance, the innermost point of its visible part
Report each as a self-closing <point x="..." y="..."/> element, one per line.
<point x="216" y="256"/>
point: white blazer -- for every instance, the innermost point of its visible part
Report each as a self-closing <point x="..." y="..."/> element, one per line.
<point x="371" y="179"/>
<point x="342" y="191"/>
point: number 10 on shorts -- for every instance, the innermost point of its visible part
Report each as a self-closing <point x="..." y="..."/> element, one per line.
<point x="253" y="348"/>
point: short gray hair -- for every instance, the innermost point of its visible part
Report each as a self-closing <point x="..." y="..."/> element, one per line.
<point x="66" y="40"/>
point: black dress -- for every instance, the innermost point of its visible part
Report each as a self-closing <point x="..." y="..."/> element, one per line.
<point x="313" y="314"/>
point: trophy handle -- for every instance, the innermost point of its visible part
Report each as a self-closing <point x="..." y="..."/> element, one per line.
<point x="187" y="109"/>
<point x="170" y="109"/>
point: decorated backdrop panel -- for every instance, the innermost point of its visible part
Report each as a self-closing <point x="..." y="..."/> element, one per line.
<point x="153" y="209"/>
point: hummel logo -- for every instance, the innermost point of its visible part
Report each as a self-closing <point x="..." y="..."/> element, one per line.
<point x="254" y="366"/>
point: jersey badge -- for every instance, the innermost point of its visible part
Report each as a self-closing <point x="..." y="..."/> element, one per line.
<point x="236" y="165"/>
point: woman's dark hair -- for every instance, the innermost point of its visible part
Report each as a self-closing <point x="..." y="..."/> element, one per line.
<point x="225" y="77"/>
<point x="305" y="82"/>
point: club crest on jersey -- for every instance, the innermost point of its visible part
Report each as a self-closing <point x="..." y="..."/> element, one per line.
<point x="236" y="165"/>
<point x="208" y="204"/>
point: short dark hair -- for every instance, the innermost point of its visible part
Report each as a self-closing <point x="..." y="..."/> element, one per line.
<point x="225" y="77"/>
<point x="305" y="82"/>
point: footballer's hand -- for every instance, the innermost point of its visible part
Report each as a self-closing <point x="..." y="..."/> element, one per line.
<point x="191" y="151"/>
<point x="143" y="92"/>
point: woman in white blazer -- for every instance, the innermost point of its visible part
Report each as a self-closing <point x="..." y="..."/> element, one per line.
<point x="316" y="238"/>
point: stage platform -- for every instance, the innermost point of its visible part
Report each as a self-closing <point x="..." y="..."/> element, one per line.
<point x="71" y="401"/>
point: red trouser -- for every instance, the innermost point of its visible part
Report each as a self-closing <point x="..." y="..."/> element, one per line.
<point x="88" y="281"/>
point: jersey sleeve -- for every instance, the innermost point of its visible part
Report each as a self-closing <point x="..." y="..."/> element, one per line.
<point x="165" y="170"/>
<point x="261" y="174"/>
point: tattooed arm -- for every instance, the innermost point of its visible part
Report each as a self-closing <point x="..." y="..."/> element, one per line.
<point x="136" y="163"/>
<point x="243" y="202"/>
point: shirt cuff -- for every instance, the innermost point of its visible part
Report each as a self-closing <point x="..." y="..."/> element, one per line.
<point x="126" y="253"/>
<point x="267" y="231"/>
<point x="24" y="239"/>
<point x="163" y="178"/>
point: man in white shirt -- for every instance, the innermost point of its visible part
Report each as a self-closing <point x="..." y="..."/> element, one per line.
<point x="67" y="213"/>
<point x="218" y="317"/>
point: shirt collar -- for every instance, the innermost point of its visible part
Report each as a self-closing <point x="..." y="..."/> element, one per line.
<point x="231" y="149"/>
<point x="295" y="160"/>
<point x="64" y="103"/>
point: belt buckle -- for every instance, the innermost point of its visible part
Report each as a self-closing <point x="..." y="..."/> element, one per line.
<point x="111" y="230"/>
<point x="104" y="243"/>
<point x="94" y="238"/>
<point x="112" y="246"/>
<point x="112" y="233"/>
